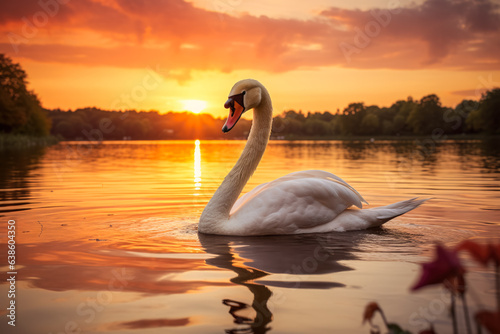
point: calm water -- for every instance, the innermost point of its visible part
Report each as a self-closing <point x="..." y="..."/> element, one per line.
<point x="107" y="240"/>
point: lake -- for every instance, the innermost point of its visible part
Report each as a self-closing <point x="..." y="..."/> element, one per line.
<point x="107" y="242"/>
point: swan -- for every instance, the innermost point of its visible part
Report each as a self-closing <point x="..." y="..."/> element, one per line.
<point x="311" y="201"/>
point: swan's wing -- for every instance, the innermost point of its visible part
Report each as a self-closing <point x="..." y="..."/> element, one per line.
<point x="321" y="174"/>
<point x="297" y="200"/>
<point x="306" y="174"/>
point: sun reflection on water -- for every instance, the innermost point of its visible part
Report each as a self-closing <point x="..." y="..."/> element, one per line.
<point x="197" y="166"/>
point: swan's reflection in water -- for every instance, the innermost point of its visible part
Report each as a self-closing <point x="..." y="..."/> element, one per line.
<point x="277" y="261"/>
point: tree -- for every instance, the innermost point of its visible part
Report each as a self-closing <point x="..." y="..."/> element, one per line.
<point x="489" y="111"/>
<point x="473" y="122"/>
<point x="401" y="110"/>
<point x="427" y="116"/>
<point x="11" y="115"/>
<point x="20" y="109"/>
<point x="352" y="118"/>
<point x="292" y="114"/>
<point x="370" y="124"/>
<point x="387" y="127"/>
<point x="336" y="125"/>
<point x="455" y="119"/>
<point x="316" y="127"/>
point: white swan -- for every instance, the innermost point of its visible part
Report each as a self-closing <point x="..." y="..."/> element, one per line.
<point x="310" y="201"/>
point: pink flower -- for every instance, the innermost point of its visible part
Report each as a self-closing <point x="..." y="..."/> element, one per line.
<point x="446" y="265"/>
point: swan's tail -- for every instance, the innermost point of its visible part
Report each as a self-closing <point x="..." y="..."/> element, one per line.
<point x="356" y="219"/>
<point x="383" y="214"/>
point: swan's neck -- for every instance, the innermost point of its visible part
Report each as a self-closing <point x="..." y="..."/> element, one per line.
<point x="217" y="211"/>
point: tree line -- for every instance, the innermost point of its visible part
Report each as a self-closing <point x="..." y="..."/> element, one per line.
<point x="407" y="117"/>
<point x="426" y="116"/>
<point x="21" y="113"/>
<point x="97" y="124"/>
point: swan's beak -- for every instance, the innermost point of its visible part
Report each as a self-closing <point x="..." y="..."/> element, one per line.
<point x="236" y="108"/>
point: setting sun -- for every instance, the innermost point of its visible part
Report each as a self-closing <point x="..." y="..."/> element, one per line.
<point x="195" y="106"/>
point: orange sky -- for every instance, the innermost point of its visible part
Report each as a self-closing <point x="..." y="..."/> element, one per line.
<point x="312" y="55"/>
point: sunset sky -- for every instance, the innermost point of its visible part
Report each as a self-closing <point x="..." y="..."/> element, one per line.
<point x="312" y="55"/>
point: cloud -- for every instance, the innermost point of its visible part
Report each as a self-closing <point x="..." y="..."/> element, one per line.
<point x="175" y="35"/>
<point x="439" y="32"/>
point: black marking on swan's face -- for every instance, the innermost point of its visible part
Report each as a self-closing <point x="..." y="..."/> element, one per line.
<point x="236" y="105"/>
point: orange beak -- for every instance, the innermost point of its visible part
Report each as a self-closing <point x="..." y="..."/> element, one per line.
<point x="236" y="108"/>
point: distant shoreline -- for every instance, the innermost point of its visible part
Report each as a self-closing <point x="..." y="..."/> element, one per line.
<point x="9" y="141"/>
<point x="20" y="142"/>
<point x="403" y="137"/>
<point x="325" y="138"/>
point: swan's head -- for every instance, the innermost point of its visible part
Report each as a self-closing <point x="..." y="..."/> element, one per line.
<point x="245" y="95"/>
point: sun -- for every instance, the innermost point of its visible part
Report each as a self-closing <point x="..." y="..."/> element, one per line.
<point x="195" y="106"/>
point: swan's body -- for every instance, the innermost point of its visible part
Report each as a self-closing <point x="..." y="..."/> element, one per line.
<point x="311" y="201"/>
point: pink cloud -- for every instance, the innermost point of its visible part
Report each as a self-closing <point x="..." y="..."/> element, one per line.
<point x="177" y="36"/>
<point x="450" y="33"/>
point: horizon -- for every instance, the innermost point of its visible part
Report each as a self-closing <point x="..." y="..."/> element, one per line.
<point x="315" y="56"/>
<point x="275" y="112"/>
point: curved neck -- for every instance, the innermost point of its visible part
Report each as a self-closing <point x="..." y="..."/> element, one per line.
<point x="218" y="208"/>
